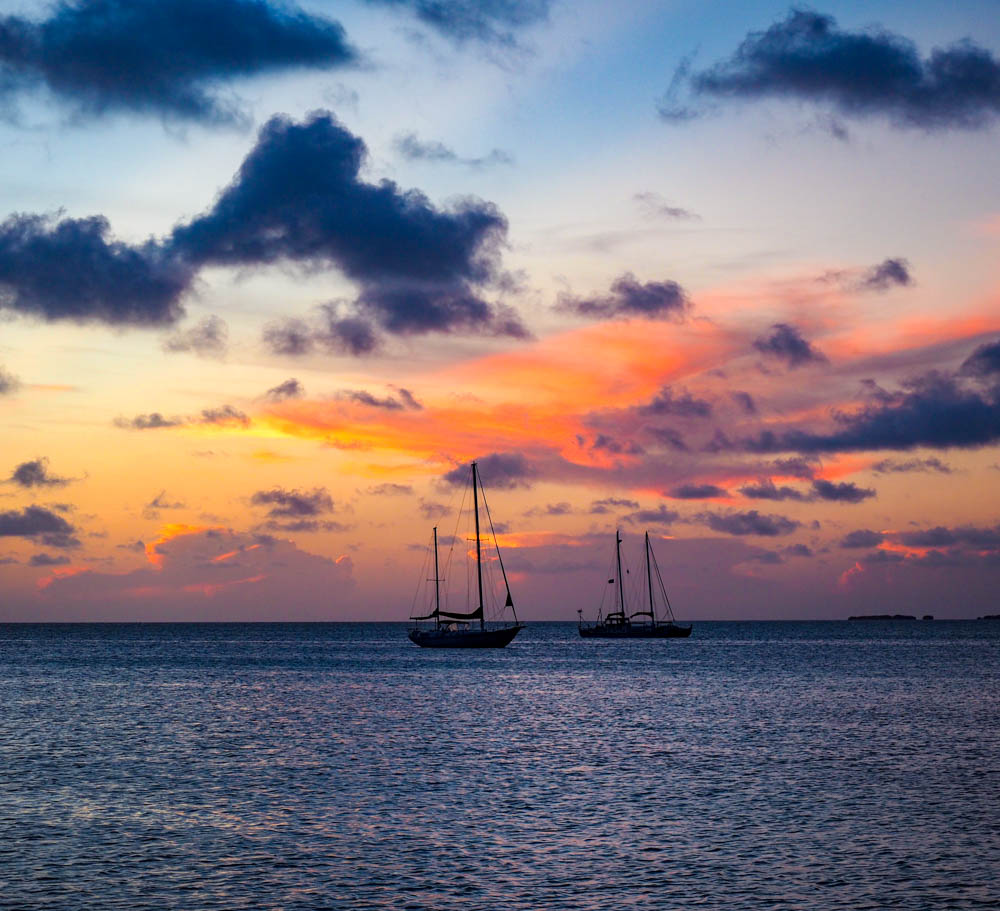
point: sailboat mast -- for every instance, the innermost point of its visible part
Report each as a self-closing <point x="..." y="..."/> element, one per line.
<point x="649" y="583"/>
<point x="621" y="581"/>
<point x="437" y="581"/>
<point x="479" y="553"/>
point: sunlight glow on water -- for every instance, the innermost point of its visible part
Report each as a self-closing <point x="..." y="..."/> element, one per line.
<point x="338" y="766"/>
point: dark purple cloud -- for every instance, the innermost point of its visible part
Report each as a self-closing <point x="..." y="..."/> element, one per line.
<point x="629" y="297"/>
<point x="497" y="470"/>
<point x="971" y="536"/>
<point x="152" y="509"/>
<point x="612" y="504"/>
<point x="9" y="384"/>
<point x="765" y="489"/>
<point x="668" y="436"/>
<point x="862" y="538"/>
<point x="290" y="336"/>
<point x="294" y="503"/>
<point x="391" y="490"/>
<point x="796" y="466"/>
<point x="209" y="338"/>
<point x="152" y="421"/>
<point x="870" y="73"/>
<point x="798" y="550"/>
<point x="785" y="343"/>
<point x="886" y="466"/>
<point x="750" y="523"/>
<point x="298" y="197"/>
<point x="767" y="557"/>
<point x="659" y="516"/>
<point x="842" y="492"/>
<point x="289" y="389"/>
<point x="745" y="401"/>
<point x="414" y="149"/>
<point x="430" y="511"/>
<point x="36" y="474"/>
<point x="404" y="401"/>
<point x="933" y="410"/>
<point x="48" y="560"/>
<point x="607" y="443"/>
<point x="163" y="57"/>
<point x="69" y="269"/>
<point x="38" y="522"/>
<point x="984" y="362"/>
<point x="683" y="405"/>
<point x="224" y="414"/>
<point x="697" y="492"/>
<point x="888" y="274"/>
<point x="348" y="334"/>
<point x="408" y="399"/>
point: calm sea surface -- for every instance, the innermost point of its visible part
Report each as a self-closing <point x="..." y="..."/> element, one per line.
<point x="755" y="765"/>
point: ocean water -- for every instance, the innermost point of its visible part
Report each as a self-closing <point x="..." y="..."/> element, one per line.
<point x="285" y="766"/>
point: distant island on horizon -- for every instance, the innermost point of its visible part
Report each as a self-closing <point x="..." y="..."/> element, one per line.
<point x="888" y="617"/>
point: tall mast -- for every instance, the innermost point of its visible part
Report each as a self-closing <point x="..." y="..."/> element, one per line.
<point x="479" y="553"/>
<point x="649" y="583"/>
<point x="621" y="582"/>
<point x="437" y="581"/>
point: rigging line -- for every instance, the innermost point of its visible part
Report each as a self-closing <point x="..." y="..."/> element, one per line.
<point x="454" y="539"/>
<point x="416" y="593"/>
<point x="489" y="519"/>
<point x="663" y="588"/>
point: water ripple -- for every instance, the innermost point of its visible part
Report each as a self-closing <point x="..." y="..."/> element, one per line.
<point x="336" y="766"/>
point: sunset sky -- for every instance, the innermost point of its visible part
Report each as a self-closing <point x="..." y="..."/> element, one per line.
<point x="270" y="273"/>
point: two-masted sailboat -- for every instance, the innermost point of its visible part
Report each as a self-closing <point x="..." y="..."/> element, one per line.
<point x="620" y="623"/>
<point x="469" y="628"/>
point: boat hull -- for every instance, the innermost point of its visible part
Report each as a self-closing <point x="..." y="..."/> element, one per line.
<point x="660" y="631"/>
<point x="471" y="638"/>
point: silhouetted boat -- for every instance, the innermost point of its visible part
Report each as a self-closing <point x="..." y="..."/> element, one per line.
<point x="620" y="624"/>
<point x="458" y="629"/>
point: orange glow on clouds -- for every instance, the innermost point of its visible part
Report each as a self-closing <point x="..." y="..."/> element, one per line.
<point x="62" y="572"/>
<point x="209" y="589"/>
<point x="233" y="553"/>
<point x="168" y="533"/>
<point x="598" y="366"/>
<point x="848" y="575"/>
<point x="523" y="400"/>
<point x="841" y="466"/>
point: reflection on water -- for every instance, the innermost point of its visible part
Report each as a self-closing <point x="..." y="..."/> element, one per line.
<point x="337" y="766"/>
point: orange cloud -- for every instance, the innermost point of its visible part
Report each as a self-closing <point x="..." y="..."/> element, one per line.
<point x="62" y="572"/>
<point x="848" y="575"/>
<point x="233" y="553"/>
<point x="209" y="589"/>
<point x="535" y="398"/>
<point x="168" y="533"/>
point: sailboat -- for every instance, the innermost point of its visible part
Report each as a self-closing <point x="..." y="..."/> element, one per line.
<point x="454" y="629"/>
<point x="641" y="624"/>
